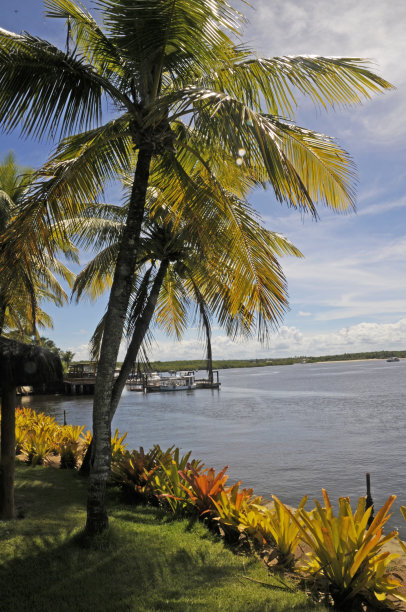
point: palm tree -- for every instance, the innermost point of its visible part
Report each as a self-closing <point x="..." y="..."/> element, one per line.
<point x="67" y="358"/>
<point x="11" y="187"/>
<point x="165" y="66"/>
<point x="30" y="280"/>
<point x="178" y="265"/>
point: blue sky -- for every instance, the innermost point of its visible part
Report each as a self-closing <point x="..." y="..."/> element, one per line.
<point x="348" y="293"/>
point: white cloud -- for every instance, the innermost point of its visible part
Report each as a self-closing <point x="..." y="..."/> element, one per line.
<point x="360" y="337"/>
<point x="291" y="341"/>
<point x="337" y="27"/>
<point x="81" y="352"/>
<point x="382" y="207"/>
<point x="363" y="29"/>
<point x="304" y="314"/>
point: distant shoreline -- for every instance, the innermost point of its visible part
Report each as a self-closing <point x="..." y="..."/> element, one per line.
<point x="224" y="364"/>
<point x="341" y="360"/>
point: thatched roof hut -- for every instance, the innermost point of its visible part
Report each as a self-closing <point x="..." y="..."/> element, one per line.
<point x="27" y="364"/>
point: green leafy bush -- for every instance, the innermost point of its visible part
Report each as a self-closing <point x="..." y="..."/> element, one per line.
<point x="232" y="506"/>
<point x="133" y="472"/>
<point x="38" y="445"/>
<point x="68" y="445"/>
<point x="274" y="527"/>
<point x="117" y="447"/>
<point x="346" y="558"/>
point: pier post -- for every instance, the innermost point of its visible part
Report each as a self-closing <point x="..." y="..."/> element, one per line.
<point x="369" y="500"/>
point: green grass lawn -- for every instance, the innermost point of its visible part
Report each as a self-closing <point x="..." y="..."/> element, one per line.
<point x="145" y="562"/>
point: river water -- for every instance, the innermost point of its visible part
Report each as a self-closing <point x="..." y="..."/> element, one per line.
<point x="287" y="430"/>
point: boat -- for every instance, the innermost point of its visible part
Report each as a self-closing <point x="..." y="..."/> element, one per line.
<point x="178" y="381"/>
<point x="154" y="383"/>
<point x="139" y="382"/>
<point x="391" y="359"/>
<point x="135" y="383"/>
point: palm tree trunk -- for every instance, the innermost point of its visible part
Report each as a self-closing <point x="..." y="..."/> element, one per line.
<point x="7" y="461"/>
<point x="209" y="358"/>
<point x="207" y="329"/>
<point x="137" y="339"/>
<point x="97" y="519"/>
<point x="132" y="352"/>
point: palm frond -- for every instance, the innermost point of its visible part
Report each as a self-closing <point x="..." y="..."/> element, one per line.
<point x="93" y="232"/>
<point x="96" y="277"/>
<point x="180" y="37"/>
<point x="96" y="339"/>
<point x="43" y="91"/>
<point x="303" y="167"/>
<point x="6" y="207"/>
<point x="89" y="40"/>
<point x="278" y="81"/>
<point x="65" y="185"/>
<point x="59" y="268"/>
<point x="172" y="306"/>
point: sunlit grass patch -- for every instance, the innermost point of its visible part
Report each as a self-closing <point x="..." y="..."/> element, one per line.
<point x="144" y="562"/>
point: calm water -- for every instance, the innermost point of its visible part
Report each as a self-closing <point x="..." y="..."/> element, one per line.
<point x="287" y="430"/>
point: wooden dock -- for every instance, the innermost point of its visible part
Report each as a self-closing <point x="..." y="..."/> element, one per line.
<point x="80" y="379"/>
<point x="79" y="386"/>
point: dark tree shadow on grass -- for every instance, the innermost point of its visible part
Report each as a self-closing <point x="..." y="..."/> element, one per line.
<point x="132" y="568"/>
<point x="144" y="563"/>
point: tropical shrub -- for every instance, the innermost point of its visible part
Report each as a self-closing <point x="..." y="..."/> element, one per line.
<point x="169" y="483"/>
<point x="86" y="440"/>
<point x="346" y="558"/>
<point x="203" y="487"/>
<point x="69" y="445"/>
<point x="72" y="433"/>
<point x="21" y="434"/>
<point x="275" y="527"/>
<point x="232" y="506"/>
<point x="39" y="435"/>
<point x="69" y="456"/>
<point x="117" y="446"/>
<point x="38" y="445"/>
<point x="35" y="434"/>
<point x="133" y="472"/>
<point x="252" y="521"/>
<point x="403" y="544"/>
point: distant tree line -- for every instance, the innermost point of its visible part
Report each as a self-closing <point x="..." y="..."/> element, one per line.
<point x="224" y="364"/>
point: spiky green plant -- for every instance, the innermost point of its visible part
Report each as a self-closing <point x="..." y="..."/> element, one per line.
<point x="346" y="558"/>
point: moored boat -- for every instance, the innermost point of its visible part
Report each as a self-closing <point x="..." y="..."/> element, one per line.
<point x="154" y="383"/>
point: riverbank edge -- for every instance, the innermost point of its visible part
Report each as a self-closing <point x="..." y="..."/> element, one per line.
<point x="52" y="506"/>
<point x="397" y="566"/>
